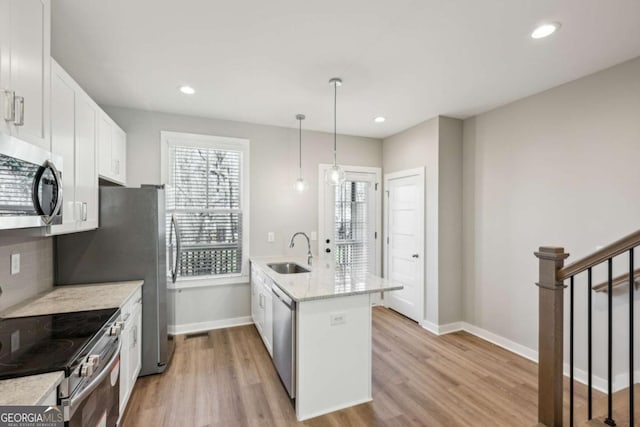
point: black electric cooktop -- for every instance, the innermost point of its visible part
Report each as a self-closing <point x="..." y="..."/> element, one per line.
<point x="39" y="344"/>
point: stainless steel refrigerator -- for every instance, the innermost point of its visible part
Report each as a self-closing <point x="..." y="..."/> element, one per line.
<point x="130" y="244"/>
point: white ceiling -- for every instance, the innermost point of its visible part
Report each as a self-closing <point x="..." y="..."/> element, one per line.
<point x="263" y="61"/>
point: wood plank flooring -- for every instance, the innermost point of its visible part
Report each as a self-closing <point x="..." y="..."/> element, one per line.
<point x="226" y="378"/>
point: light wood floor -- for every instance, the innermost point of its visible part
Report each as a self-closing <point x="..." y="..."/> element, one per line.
<point x="226" y="378"/>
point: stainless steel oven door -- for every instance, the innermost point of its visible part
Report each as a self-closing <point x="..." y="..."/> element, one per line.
<point x="98" y="402"/>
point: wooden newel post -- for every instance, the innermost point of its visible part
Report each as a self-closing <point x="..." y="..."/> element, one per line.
<point x="550" y="336"/>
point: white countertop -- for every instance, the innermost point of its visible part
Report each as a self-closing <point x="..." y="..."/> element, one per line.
<point x="323" y="281"/>
<point x="66" y="299"/>
<point x="31" y="390"/>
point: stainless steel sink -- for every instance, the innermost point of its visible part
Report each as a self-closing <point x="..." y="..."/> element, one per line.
<point x="287" y="268"/>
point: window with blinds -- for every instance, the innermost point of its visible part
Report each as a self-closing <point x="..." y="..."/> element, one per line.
<point x="205" y="198"/>
<point x="352" y="225"/>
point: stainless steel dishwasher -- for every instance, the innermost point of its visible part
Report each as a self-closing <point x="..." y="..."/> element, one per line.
<point x="284" y="339"/>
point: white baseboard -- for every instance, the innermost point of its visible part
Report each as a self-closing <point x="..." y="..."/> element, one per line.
<point x="501" y="341"/>
<point x="191" y="328"/>
<point x="619" y="382"/>
<point x="303" y="417"/>
<point x="441" y="329"/>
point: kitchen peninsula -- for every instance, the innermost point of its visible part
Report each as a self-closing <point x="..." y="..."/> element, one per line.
<point x="328" y="331"/>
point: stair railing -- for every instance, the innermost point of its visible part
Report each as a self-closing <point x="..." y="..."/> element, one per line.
<point x="552" y="276"/>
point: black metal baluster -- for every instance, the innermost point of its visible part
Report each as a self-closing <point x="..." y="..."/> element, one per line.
<point x="589" y="348"/>
<point x="571" y="353"/>
<point x="609" y="420"/>
<point x="632" y="284"/>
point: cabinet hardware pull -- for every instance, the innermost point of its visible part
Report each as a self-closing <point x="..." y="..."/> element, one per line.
<point x="19" y="111"/>
<point x="84" y="211"/>
<point x="9" y="105"/>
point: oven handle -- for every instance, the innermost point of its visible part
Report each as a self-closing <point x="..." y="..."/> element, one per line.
<point x="73" y="401"/>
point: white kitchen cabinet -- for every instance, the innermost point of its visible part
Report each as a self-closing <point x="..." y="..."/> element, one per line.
<point x="5" y="56"/>
<point x="135" y="339"/>
<point x="113" y="151"/>
<point x="131" y="350"/>
<point x="119" y="154"/>
<point x="74" y="137"/>
<point x="25" y="44"/>
<point x="262" y="307"/>
<point x="254" y="295"/>
<point x="267" y="331"/>
<point x="257" y="299"/>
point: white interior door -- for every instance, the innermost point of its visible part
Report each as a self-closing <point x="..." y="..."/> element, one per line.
<point x="404" y="237"/>
<point x="350" y="219"/>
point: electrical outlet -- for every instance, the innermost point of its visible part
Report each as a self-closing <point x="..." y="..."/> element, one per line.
<point x="337" y="318"/>
<point x="314" y="235"/>
<point x="15" y="263"/>
<point x="271" y="237"/>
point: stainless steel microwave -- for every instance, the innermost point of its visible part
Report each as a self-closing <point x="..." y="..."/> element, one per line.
<point x="30" y="185"/>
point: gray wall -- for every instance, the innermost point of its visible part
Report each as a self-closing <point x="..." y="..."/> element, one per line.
<point x="558" y="168"/>
<point x="36" y="269"/>
<point x="436" y="145"/>
<point x="275" y="205"/>
<point x="450" y="221"/>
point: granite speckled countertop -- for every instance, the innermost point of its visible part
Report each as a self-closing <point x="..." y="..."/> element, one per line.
<point x="32" y="390"/>
<point x="324" y="280"/>
<point x="66" y="299"/>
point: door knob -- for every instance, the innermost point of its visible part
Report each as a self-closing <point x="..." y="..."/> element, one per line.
<point x="415" y="256"/>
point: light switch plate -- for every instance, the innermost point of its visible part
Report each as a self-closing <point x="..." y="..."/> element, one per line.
<point x="15" y="263"/>
<point x="271" y="237"/>
<point x="314" y="235"/>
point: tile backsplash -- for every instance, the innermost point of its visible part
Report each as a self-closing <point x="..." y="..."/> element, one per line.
<point x="36" y="268"/>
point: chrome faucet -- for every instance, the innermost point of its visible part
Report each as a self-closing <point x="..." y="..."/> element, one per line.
<point x="291" y="244"/>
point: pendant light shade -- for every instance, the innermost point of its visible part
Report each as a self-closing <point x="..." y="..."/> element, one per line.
<point x="335" y="175"/>
<point x="301" y="185"/>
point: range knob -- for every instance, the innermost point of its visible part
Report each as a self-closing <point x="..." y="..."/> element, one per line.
<point x="115" y="330"/>
<point x="93" y="359"/>
<point x="86" y="370"/>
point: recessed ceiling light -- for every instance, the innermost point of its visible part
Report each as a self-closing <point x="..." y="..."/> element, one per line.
<point x="545" y="30"/>
<point x="187" y="90"/>
<point x="379" y="119"/>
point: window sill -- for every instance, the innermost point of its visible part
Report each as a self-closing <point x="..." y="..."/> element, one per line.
<point x="207" y="282"/>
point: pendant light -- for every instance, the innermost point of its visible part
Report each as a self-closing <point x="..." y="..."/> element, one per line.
<point x="335" y="175"/>
<point x="300" y="184"/>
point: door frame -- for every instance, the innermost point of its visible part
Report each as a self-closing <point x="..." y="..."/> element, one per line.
<point x="420" y="172"/>
<point x="322" y="167"/>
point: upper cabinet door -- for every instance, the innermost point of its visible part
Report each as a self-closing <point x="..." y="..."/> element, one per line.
<point x="104" y="147"/>
<point x="112" y="142"/>
<point x="63" y="141"/>
<point x="119" y="152"/>
<point x="86" y="169"/>
<point x="30" y="69"/>
<point x="5" y="82"/>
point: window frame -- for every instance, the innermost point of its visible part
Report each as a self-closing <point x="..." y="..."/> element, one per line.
<point x="169" y="139"/>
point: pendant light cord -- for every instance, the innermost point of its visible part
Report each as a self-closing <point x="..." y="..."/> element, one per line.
<point x="300" y="149"/>
<point x="335" y="124"/>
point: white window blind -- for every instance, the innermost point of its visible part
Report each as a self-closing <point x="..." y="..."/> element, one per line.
<point x="204" y="195"/>
<point x="352" y="224"/>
